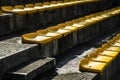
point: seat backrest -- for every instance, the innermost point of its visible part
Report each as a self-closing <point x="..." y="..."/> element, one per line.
<point x="29" y="5"/>
<point x="46" y="3"/>
<point x="60" y="26"/>
<point x="38" y="4"/>
<point x="19" y="7"/>
<point x="52" y="29"/>
<point x="6" y="8"/>
<point x="42" y="32"/>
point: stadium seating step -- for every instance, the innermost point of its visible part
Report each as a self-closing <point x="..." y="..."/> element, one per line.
<point x="31" y="69"/>
<point x="13" y="53"/>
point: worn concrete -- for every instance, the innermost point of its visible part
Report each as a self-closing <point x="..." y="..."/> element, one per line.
<point x="13" y="52"/>
<point x="31" y="69"/>
<point x="68" y="67"/>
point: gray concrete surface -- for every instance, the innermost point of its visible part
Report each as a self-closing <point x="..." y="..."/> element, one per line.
<point x="13" y="52"/>
<point x="68" y="67"/>
<point x="31" y="69"/>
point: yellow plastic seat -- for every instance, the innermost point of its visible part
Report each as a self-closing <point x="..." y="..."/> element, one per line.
<point x="118" y="35"/>
<point x="78" y="23"/>
<point x="53" y="3"/>
<point x="69" y="3"/>
<point x="100" y="58"/>
<point x="42" y="32"/>
<point x="46" y="5"/>
<point x="92" y="66"/>
<point x="116" y="39"/>
<point x="105" y="16"/>
<point x="50" y="33"/>
<point x="70" y="27"/>
<point x="19" y="7"/>
<point x="6" y="8"/>
<point x="75" y="21"/>
<point x="101" y="51"/>
<point x="61" y="4"/>
<point x="61" y="29"/>
<point x="114" y="43"/>
<point x="39" y="7"/>
<point x="79" y="26"/>
<point x="35" y="38"/>
<point x="96" y="19"/>
<point x="84" y="21"/>
<point x="0" y="13"/>
<point x="10" y="9"/>
<point x="111" y="48"/>
<point x="38" y="4"/>
<point x="30" y="8"/>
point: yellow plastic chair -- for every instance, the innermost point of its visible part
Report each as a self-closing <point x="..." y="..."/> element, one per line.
<point x="118" y="36"/>
<point x="61" y="29"/>
<point x="100" y="58"/>
<point x="30" y="8"/>
<point x="113" y="43"/>
<point x="116" y="39"/>
<point x="76" y="23"/>
<point x="46" y="5"/>
<point x="1" y="13"/>
<point x="38" y="4"/>
<point x="101" y="51"/>
<point x="6" y="8"/>
<point x="50" y="32"/>
<point x="19" y="7"/>
<point x="70" y="27"/>
<point x="39" y="7"/>
<point x="10" y="9"/>
<point x="92" y="66"/>
<point x="35" y="38"/>
<point x="53" y="3"/>
<point x="110" y="48"/>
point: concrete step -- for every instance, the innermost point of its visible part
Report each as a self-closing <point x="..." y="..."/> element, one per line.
<point x="31" y="69"/>
<point x="13" y="53"/>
